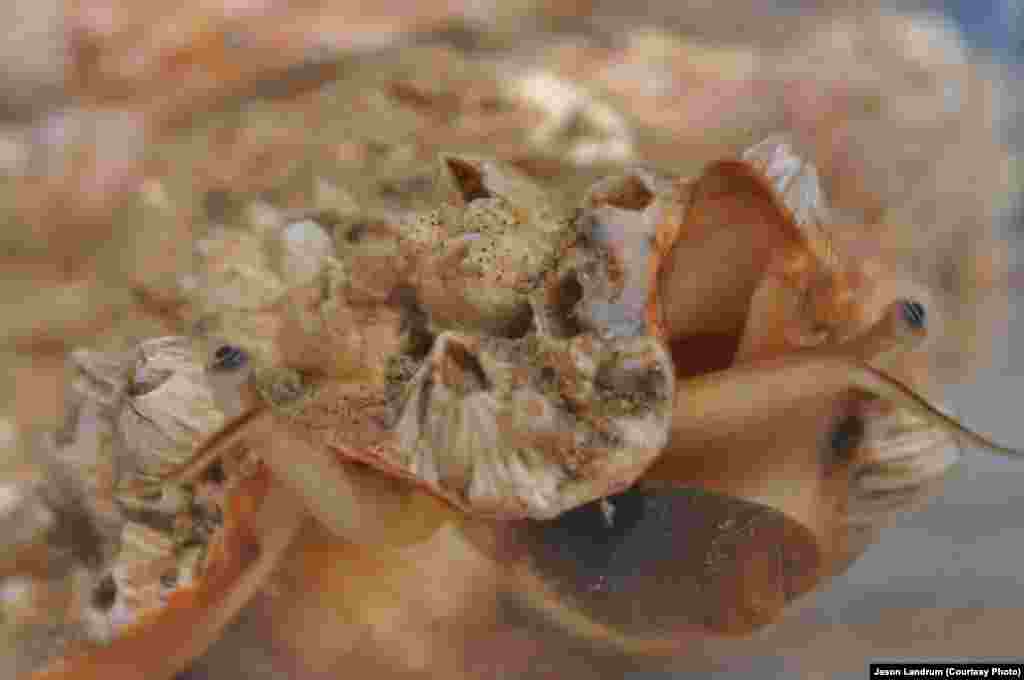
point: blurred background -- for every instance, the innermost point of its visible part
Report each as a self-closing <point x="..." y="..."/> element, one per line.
<point x="913" y="110"/>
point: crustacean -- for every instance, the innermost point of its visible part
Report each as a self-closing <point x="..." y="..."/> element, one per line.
<point x="682" y="400"/>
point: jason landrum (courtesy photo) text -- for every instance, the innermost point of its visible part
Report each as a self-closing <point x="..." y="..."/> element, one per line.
<point x="938" y="670"/>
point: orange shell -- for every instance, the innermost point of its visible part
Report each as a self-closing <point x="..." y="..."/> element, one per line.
<point x="772" y="172"/>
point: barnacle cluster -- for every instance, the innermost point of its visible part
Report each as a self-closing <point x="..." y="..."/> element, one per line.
<point x="505" y="345"/>
<point x="133" y="417"/>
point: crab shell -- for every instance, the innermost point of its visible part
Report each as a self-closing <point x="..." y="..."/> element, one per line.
<point x="769" y="511"/>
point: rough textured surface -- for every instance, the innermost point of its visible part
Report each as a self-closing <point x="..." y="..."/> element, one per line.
<point x="470" y="355"/>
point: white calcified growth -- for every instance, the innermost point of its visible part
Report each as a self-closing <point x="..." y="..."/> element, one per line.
<point x="89" y="454"/>
<point x="24" y="516"/>
<point x="542" y="387"/>
<point x="146" y="554"/>
<point x="450" y="431"/>
<point x="615" y="305"/>
<point x="489" y="246"/>
<point x="903" y="461"/>
<point x="235" y="272"/>
<point x="795" y="181"/>
<point x="169" y="406"/>
<point x="506" y="447"/>
<point x="304" y="249"/>
<point x="568" y="107"/>
<point x="100" y="377"/>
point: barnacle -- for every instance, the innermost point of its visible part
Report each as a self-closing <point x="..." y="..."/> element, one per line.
<point x="167" y="407"/>
<point x="490" y="384"/>
<point x="243" y="269"/>
<point x="606" y="135"/>
<point x="157" y="553"/>
<point x="492" y="243"/>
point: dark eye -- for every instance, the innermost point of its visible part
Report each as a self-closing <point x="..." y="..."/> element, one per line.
<point x="914" y="314"/>
<point x="846" y="436"/>
<point x="229" y="358"/>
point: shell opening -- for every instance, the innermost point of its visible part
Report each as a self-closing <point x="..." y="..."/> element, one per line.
<point x="731" y="231"/>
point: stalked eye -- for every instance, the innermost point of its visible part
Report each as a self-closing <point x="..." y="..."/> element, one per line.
<point x="229" y="358"/>
<point x="846" y="437"/>
<point x="914" y="314"/>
